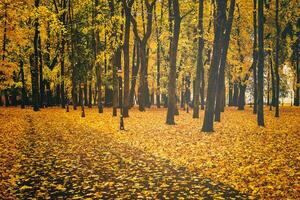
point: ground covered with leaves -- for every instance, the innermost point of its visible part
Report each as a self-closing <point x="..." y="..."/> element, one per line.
<point x="59" y="155"/>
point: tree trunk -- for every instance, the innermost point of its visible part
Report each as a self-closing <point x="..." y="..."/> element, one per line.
<point x="254" y="55"/>
<point x="4" y="51"/>
<point x="213" y="72"/>
<point x="135" y="69"/>
<point x="42" y="87"/>
<point x="172" y="73"/>
<point x="62" y="61"/>
<point x="260" y="77"/>
<point x="23" y="97"/>
<point x="126" y="58"/>
<point x="268" y="88"/>
<point x="202" y="88"/>
<point x="147" y="95"/>
<point x="277" y="60"/>
<point x="48" y="64"/>
<point x="235" y="94"/>
<point x="85" y="92"/>
<point x="297" y="95"/>
<point x="116" y="65"/>
<point x="80" y="98"/>
<point x="143" y="71"/>
<point x="242" y="86"/>
<point x="90" y="94"/>
<point x="34" y="65"/>
<point x="98" y="66"/>
<point x="241" y="100"/>
<point x="143" y="54"/>
<point x="273" y="102"/>
<point x="230" y="95"/>
<point x="182" y="101"/>
<point x="200" y="67"/>
<point x="221" y="83"/>
<point x="158" y="33"/>
<point x="4" y="32"/>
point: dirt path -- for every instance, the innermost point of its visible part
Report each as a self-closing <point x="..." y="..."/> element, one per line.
<point x="61" y="160"/>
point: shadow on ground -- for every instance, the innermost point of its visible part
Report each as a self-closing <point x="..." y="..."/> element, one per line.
<point x="76" y="166"/>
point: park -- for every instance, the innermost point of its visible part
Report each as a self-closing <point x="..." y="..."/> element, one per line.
<point x="149" y="99"/>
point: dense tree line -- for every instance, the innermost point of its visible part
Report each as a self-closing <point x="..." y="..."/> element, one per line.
<point x="119" y="53"/>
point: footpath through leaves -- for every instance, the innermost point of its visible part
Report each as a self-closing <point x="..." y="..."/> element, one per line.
<point x="52" y="154"/>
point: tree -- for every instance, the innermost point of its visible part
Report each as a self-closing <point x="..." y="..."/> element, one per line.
<point x="200" y="67"/>
<point x="98" y="66"/>
<point x="254" y="55"/>
<point x="158" y="52"/>
<point x="214" y="67"/>
<point x="4" y="50"/>
<point x="143" y="51"/>
<point x="116" y="63"/>
<point x="41" y="78"/>
<point x="23" y="103"/>
<point x="173" y="58"/>
<point x="34" y="63"/>
<point x="221" y="82"/>
<point x="260" y="76"/>
<point x="277" y="61"/>
<point x="62" y="54"/>
<point x="297" y="95"/>
<point x="127" y="9"/>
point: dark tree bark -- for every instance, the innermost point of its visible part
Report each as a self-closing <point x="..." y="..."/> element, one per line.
<point x="34" y="64"/>
<point x="242" y="85"/>
<point x="230" y="95"/>
<point x="98" y="66"/>
<point x="213" y="72"/>
<point x="268" y="88"/>
<point x="200" y="67"/>
<point x="116" y="66"/>
<point x="241" y="100"/>
<point x="277" y="60"/>
<point x="260" y="77"/>
<point x="13" y="90"/>
<point x="254" y="55"/>
<point x="72" y="58"/>
<point x="297" y="94"/>
<point x="7" y="102"/>
<point x="42" y="87"/>
<point x="80" y="97"/>
<point x="23" y="97"/>
<point x="90" y="94"/>
<point x="4" y="32"/>
<point x="4" y="53"/>
<point x="182" y="101"/>
<point x="173" y="58"/>
<point x="108" y="98"/>
<point x="74" y="89"/>
<point x="85" y="91"/>
<point x="235" y="94"/>
<point x="49" y="94"/>
<point x="127" y="9"/>
<point x="221" y="84"/>
<point x="48" y="64"/>
<point x="62" y="54"/>
<point x="57" y="95"/>
<point x="158" y="33"/>
<point x="135" y="69"/>
<point x="143" y="51"/>
<point x="147" y="95"/>
<point x="272" y="81"/>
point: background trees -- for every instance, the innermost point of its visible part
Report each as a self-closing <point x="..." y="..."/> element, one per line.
<point x="201" y="53"/>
